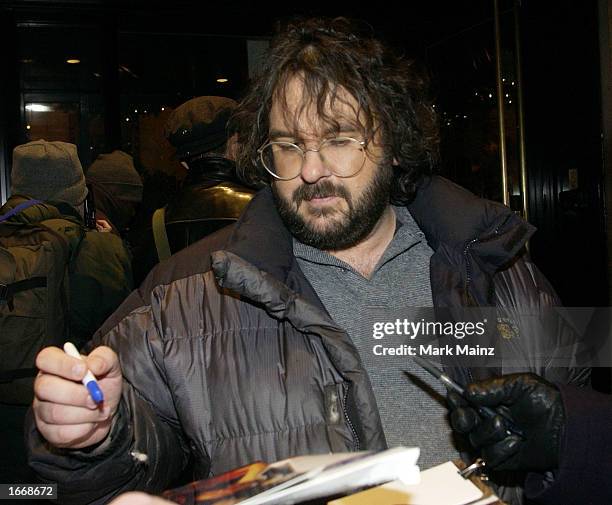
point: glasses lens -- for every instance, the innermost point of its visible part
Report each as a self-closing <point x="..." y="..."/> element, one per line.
<point x="282" y="159"/>
<point x="344" y="156"/>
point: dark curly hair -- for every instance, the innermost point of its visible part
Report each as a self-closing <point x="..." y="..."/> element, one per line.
<point x="331" y="56"/>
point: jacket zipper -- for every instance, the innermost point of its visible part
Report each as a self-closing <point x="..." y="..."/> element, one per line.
<point x="468" y="280"/>
<point x="468" y="277"/>
<point x="348" y="420"/>
<point x="468" y="271"/>
<point x="466" y="249"/>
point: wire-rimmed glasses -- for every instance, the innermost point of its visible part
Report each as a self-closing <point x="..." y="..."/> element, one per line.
<point x="343" y="156"/>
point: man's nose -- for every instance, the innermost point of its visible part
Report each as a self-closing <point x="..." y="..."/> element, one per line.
<point x="313" y="167"/>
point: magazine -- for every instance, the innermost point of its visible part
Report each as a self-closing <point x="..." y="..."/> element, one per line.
<point x="301" y="478"/>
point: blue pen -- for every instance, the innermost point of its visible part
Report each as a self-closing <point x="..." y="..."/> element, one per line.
<point x="89" y="381"/>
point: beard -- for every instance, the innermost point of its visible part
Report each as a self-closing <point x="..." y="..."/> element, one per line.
<point x="343" y="228"/>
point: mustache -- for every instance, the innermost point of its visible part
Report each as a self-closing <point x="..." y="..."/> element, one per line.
<point x="323" y="189"/>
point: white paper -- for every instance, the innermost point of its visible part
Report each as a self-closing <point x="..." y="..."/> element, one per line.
<point x="360" y="470"/>
<point x="440" y="485"/>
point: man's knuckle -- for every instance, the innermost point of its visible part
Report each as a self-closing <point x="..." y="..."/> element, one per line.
<point x="64" y="435"/>
<point x="40" y="423"/>
<point x="56" y="414"/>
<point x="42" y="387"/>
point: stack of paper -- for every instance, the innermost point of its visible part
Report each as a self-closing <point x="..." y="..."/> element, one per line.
<point x="334" y="474"/>
<point x="440" y="485"/>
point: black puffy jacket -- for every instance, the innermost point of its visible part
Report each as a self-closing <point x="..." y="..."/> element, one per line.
<point x="230" y="357"/>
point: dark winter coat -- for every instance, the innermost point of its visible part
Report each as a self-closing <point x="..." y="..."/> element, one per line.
<point x="230" y="357"/>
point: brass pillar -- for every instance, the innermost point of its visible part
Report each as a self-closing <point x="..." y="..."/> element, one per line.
<point x="500" y="105"/>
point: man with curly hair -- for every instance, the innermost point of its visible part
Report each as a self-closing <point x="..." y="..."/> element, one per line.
<point x="251" y="344"/>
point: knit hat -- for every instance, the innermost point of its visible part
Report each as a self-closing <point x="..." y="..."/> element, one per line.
<point x="199" y="125"/>
<point x="48" y="171"/>
<point x="117" y="188"/>
<point x="116" y="172"/>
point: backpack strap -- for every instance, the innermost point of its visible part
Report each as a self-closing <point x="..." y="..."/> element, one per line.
<point x="18" y="208"/>
<point x="159" y="234"/>
<point x="7" y="291"/>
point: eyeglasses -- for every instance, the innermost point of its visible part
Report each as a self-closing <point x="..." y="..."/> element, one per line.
<point x="343" y="156"/>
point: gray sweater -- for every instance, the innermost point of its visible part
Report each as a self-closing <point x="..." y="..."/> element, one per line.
<point x="411" y="415"/>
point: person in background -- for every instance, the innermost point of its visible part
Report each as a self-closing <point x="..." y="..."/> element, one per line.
<point x="254" y="343"/>
<point x="100" y="274"/>
<point x="211" y="195"/>
<point x="117" y="191"/>
<point x="59" y="280"/>
<point x="568" y="436"/>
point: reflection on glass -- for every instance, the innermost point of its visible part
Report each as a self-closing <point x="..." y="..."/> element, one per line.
<point x="61" y="81"/>
<point x="464" y="75"/>
<point x="52" y="121"/>
<point x="158" y="72"/>
<point x="463" y="69"/>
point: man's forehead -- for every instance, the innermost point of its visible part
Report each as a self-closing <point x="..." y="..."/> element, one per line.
<point x="294" y="110"/>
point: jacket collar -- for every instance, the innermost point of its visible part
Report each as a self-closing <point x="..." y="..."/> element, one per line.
<point x="261" y="238"/>
<point x="449" y="215"/>
<point x="211" y="169"/>
<point x="453" y="218"/>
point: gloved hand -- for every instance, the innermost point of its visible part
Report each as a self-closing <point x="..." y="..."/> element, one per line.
<point x="534" y="405"/>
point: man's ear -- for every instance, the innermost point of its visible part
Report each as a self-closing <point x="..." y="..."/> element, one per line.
<point x="395" y="163"/>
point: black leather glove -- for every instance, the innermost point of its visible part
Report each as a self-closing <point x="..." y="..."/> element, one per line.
<point x="534" y="405"/>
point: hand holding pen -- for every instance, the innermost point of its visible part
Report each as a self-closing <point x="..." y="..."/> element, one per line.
<point x="76" y="397"/>
<point x="531" y="401"/>
<point x="89" y="381"/>
<point x="451" y="385"/>
<point x="527" y="401"/>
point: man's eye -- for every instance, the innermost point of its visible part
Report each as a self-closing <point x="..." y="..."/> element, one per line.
<point x="286" y="147"/>
<point x="339" y="142"/>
